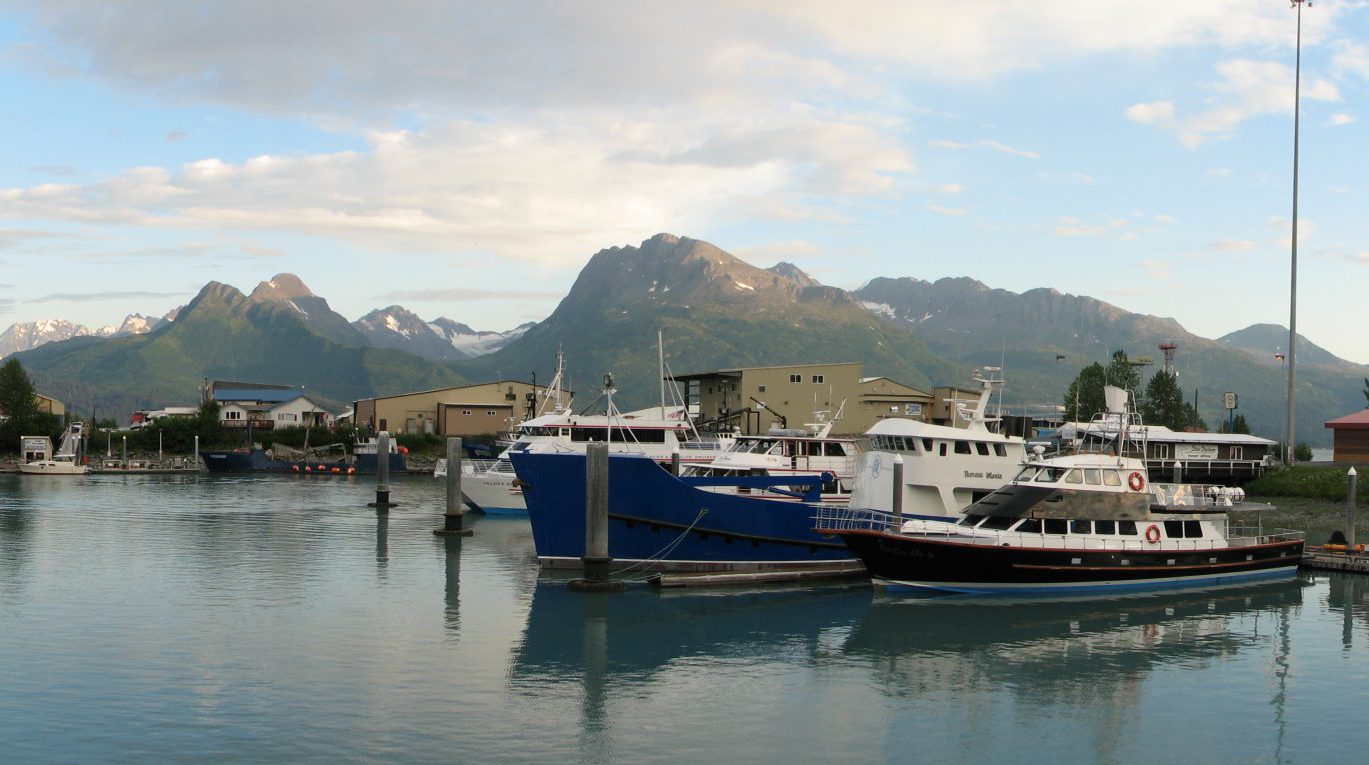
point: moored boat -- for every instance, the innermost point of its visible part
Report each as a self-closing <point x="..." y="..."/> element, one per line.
<point x="1090" y="521"/>
<point x="70" y="458"/>
<point x="661" y="522"/>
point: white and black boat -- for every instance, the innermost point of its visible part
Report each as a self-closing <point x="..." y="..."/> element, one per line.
<point x="1087" y="521"/>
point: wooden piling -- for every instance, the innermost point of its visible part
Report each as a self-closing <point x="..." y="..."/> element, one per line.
<point x="382" y="503"/>
<point x="1352" y="478"/>
<point x="898" y="489"/>
<point x="675" y="461"/>
<point x="454" y="517"/>
<point x="596" y="561"/>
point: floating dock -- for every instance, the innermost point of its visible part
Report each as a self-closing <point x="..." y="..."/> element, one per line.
<point x="1327" y="560"/>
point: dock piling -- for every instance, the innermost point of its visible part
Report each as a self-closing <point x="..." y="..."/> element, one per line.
<point x="898" y="488"/>
<point x="596" y="560"/>
<point x="1178" y="472"/>
<point x="454" y="517"/>
<point x="1352" y="478"/>
<point x="382" y="503"/>
<point x="675" y="462"/>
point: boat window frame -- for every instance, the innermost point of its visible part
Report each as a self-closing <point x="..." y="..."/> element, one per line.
<point x="1112" y="478"/>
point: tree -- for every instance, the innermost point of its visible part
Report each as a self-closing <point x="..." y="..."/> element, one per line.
<point x="1084" y="398"/>
<point x="1164" y="402"/>
<point x="18" y="400"/>
<point x="1237" y="425"/>
<point x="1193" y="419"/>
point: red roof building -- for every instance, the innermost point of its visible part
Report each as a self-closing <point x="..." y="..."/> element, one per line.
<point x="1351" y="440"/>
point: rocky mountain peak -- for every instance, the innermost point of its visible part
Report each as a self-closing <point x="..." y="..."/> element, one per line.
<point x="281" y="287"/>
<point x="790" y="271"/>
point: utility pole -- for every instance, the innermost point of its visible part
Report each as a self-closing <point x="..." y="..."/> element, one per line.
<point x="1293" y="279"/>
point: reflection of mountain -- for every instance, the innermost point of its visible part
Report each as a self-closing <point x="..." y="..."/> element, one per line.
<point x="629" y="636"/>
<point x="1048" y="650"/>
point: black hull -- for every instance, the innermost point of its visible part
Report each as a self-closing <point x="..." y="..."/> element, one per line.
<point x="898" y="561"/>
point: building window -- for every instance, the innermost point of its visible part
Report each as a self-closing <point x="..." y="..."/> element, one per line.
<point x="818" y="379"/>
<point x="489" y="412"/>
<point x="1237" y="452"/>
<point x="760" y="388"/>
<point x="466" y="412"/>
<point x="796" y="378"/>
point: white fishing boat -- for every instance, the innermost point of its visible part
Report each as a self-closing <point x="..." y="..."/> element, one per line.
<point x="944" y="468"/>
<point x="37" y="457"/>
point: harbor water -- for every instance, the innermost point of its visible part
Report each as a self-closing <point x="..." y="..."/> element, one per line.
<point x="260" y="619"/>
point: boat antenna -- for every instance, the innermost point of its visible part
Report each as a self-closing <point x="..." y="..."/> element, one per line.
<point x="1293" y="279"/>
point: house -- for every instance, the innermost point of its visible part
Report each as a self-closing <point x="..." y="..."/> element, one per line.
<point x="266" y="407"/>
<point x="1350" y="439"/>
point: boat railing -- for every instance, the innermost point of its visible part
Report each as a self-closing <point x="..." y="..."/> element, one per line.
<point x="1196" y="494"/>
<point x="474" y="466"/>
<point x="840" y="518"/>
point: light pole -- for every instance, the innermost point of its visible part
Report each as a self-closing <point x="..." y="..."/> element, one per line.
<point x="1293" y="279"/>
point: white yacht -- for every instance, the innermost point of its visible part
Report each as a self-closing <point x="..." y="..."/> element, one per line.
<point x="38" y="459"/>
<point x="806" y="451"/>
<point x="945" y="468"/>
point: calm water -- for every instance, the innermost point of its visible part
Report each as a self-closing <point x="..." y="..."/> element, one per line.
<point x="277" y="619"/>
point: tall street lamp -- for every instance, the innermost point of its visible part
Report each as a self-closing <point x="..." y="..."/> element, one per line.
<point x="1293" y="280"/>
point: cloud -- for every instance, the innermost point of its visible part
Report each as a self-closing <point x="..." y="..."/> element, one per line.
<point x="1233" y="245"/>
<point x="1358" y="258"/>
<point x="467" y="294"/>
<point x="993" y="145"/>
<point x="93" y="297"/>
<point x="950" y="189"/>
<point x="1341" y="118"/>
<point x="1157" y="270"/>
<point x="1165" y="218"/>
<point x="258" y="251"/>
<point x="1246" y="89"/>
<point x="950" y="211"/>
<point x="1068" y="226"/>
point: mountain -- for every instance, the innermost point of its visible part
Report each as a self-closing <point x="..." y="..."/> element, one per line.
<point x="28" y="335"/>
<point x="715" y="311"/>
<point x="1043" y="338"/>
<point x="1264" y="341"/>
<point x="281" y="333"/>
<point x="439" y="340"/>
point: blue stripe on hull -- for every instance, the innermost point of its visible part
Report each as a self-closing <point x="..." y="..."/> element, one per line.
<point x="654" y="515"/>
<point x="1168" y="583"/>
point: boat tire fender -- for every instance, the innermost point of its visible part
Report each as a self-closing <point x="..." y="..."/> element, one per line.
<point x="1153" y="534"/>
<point x="1136" y="481"/>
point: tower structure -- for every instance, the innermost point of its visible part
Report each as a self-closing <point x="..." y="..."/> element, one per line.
<point x="1169" y="347"/>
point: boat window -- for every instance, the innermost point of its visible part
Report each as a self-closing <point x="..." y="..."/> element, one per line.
<point x="1111" y="478"/>
<point x="1093" y="477"/>
<point x="1193" y="529"/>
<point x="1055" y="525"/>
<point x="981" y="448"/>
<point x="1027" y="474"/>
<point x="1105" y="527"/>
<point x="1174" y="529"/>
<point x="962" y="447"/>
<point x="943" y="448"/>
<point x="971" y="520"/>
<point x="998" y="522"/>
<point x="1081" y="527"/>
<point x="1126" y="528"/>
<point x="1000" y="450"/>
<point x="565" y="431"/>
<point x="1049" y="475"/>
<point x="1074" y="476"/>
<point x="833" y="449"/>
<point x="927" y="445"/>
<point x="1030" y="526"/>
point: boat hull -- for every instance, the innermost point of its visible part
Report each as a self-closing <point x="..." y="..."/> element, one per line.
<point x="51" y="467"/>
<point x="257" y="461"/>
<point x="666" y="523"/>
<point x="901" y="562"/>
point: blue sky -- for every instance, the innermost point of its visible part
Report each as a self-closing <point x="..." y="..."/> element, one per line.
<point x="466" y="159"/>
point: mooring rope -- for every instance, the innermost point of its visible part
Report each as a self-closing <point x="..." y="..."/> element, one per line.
<point x="666" y="550"/>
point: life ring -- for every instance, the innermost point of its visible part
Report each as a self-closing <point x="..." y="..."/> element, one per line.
<point x="1152" y="533"/>
<point x="1136" y="482"/>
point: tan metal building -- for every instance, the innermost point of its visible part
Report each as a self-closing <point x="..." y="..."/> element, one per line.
<point x="469" y="410"/>
<point x="755" y="399"/>
<point x="49" y="405"/>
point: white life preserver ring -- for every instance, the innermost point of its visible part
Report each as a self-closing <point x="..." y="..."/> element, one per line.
<point x="1153" y="534"/>
<point x="1136" y="481"/>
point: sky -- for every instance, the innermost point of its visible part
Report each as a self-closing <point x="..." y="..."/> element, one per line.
<point x="466" y="159"/>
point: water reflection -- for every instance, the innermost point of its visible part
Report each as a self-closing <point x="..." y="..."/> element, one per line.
<point x="451" y="598"/>
<point x="15" y="530"/>
<point x="1098" y="650"/>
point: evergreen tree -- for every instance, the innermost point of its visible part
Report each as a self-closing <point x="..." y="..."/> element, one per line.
<point x="1237" y="425"/>
<point x="1164" y="402"/>
<point x="1084" y="397"/>
<point x="1192" y="419"/>
<point x="19" y="404"/>
<point x="1121" y="374"/>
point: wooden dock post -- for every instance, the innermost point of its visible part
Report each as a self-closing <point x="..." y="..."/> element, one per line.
<point x="596" y="560"/>
<point x="125" y="452"/>
<point x="1178" y="471"/>
<point x="675" y="462"/>
<point x="1350" y="511"/>
<point x="898" y="489"/>
<point x="453" y="518"/>
<point x="197" y="452"/>
<point x="382" y="503"/>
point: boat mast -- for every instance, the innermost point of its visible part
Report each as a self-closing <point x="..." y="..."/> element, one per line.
<point x="660" y="363"/>
<point x="1293" y="280"/>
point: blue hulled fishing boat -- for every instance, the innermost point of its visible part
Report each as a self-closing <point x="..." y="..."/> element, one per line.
<point x="667" y="523"/>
